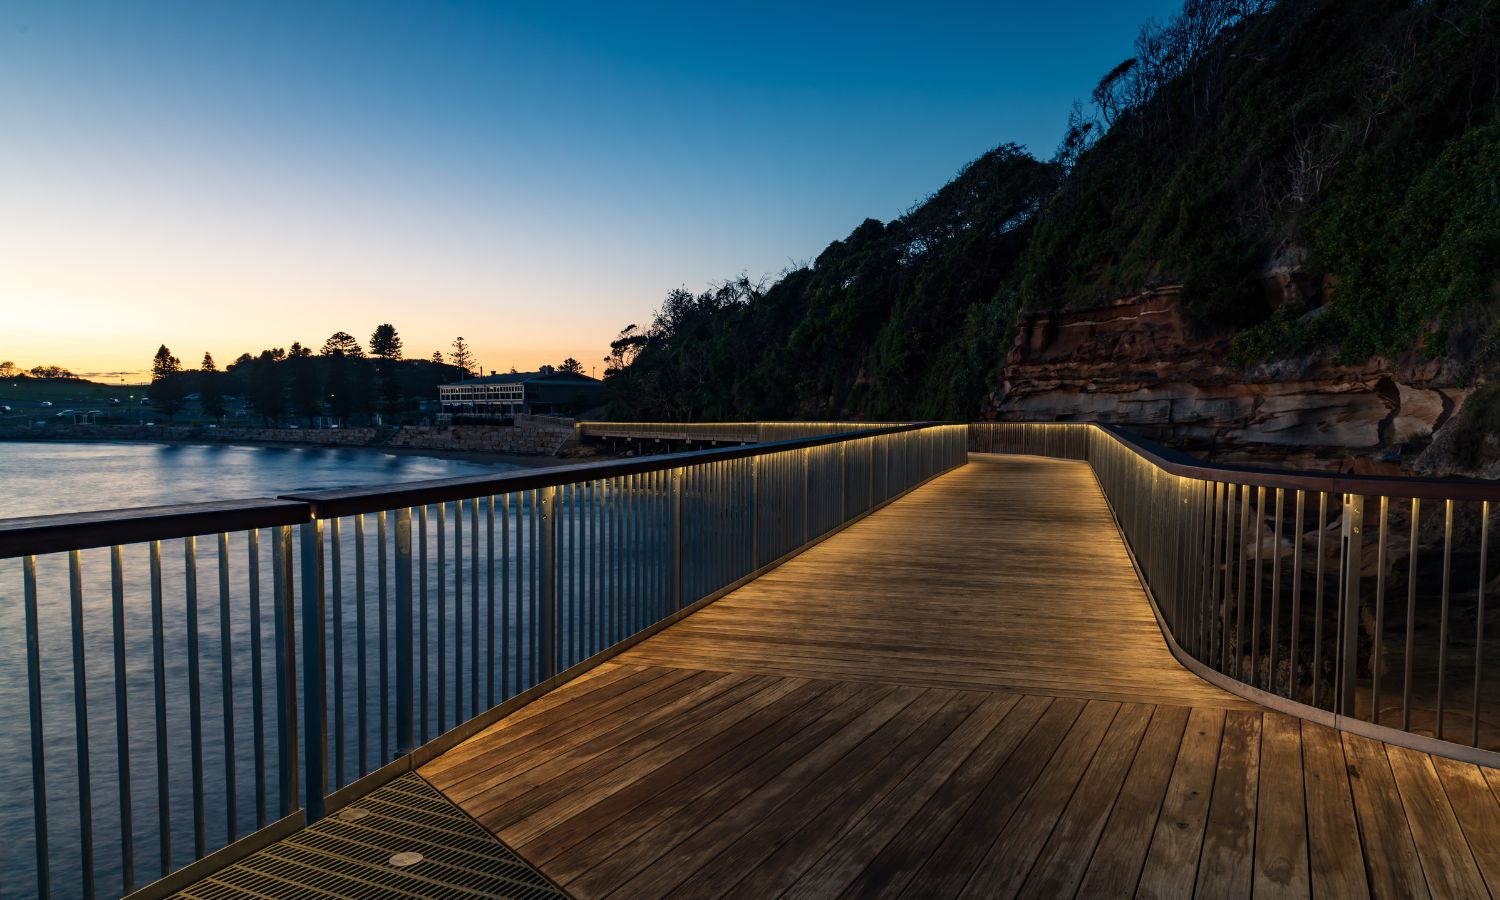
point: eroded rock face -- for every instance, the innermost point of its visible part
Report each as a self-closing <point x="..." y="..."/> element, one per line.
<point x="1140" y="362"/>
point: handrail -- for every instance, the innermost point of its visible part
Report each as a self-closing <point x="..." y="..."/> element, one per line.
<point x="1178" y="463"/>
<point x="293" y="653"/>
<point x="1340" y="598"/>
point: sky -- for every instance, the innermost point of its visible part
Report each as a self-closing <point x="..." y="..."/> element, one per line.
<point x="228" y="177"/>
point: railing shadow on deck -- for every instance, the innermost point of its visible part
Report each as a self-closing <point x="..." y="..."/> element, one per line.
<point x="1358" y="602"/>
<point x="459" y="601"/>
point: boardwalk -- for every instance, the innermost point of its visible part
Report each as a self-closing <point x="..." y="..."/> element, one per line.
<point x="965" y="694"/>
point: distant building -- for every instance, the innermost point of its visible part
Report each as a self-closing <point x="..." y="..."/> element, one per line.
<point x="527" y="393"/>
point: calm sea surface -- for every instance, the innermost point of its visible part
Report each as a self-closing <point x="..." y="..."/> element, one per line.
<point x="45" y="477"/>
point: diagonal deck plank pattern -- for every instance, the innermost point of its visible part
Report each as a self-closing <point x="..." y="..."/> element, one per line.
<point x="963" y="695"/>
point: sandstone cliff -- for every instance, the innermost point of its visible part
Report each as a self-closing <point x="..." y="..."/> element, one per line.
<point x="1141" y="362"/>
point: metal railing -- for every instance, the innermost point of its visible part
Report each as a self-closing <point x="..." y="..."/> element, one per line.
<point x="201" y="680"/>
<point x="1357" y="601"/>
<point x="721" y="432"/>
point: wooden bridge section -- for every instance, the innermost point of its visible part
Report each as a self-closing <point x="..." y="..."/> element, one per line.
<point x="964" y="694"/>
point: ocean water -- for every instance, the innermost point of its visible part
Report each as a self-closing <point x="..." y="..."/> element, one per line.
<point x="42" y="478"/>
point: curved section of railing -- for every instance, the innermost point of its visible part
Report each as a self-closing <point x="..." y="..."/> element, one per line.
<point x="200" y="680"/>
<point x="1362" y="602"/>
<point x="722" y="432"/>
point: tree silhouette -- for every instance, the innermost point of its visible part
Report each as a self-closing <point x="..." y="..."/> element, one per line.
<point x="167" y="391"/>
<point x="570" y="365"/>
<point x="210" y="389"/>
<point x="342" y="343"/>
<point x="462" y="357"/>
<point x="385" y="346"/>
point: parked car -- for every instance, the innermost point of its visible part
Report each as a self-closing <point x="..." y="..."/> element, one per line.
<point x="45" y="404"/>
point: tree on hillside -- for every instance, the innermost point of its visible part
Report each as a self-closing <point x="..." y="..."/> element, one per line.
<point x="306" y="386"/>
<point x="385" y="346"/>
<point x="462" y="357"/>
<point x="167" y="391"/>
<point x="8" y="369"/>
<point x="267" y="387"/>
<point x="570" y="365"/>
<point x="342" y="343"/>
<point x="210" y="389"/>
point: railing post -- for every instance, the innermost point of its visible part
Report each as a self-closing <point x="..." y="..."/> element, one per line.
<point x="806" y="493"/>
<point x="405" y="718"/>
<point x="548" y="567"/>
<point x="314" y="686"/>
<point x="286" y="668"/>
<point x="1354" y="515"/>
<point x="675" y="515"/>
<point x="754" y="513"/>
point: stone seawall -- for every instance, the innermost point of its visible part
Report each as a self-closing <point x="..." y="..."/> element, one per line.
<point x="530" y="436"/>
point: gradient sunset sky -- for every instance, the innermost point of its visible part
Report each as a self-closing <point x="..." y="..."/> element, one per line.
<point x="234" y="176"/>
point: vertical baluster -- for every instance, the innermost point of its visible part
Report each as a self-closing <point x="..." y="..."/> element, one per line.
<point x="1318" y="599"/>
<point x="506" y="629"/>
<point x="1230" y="496"/>
<point x="1484" y="549"/>
<point x="226" y="663"/>
<point x="38" y="742"/>
<point x="336" y="536"/>
<point x="1291" y="686"/>
<point x="362" y="684"/>
<point x="1216" y="550"/>
<point x="1443" y="622"/>
<point x="1354" y="529"/>
<point x="489" y="596"/>
<point x="81" y="727"/>
<point x="315" y="674"/>
<point x="566" y="637"/>
<point x="1244" y="552"/>
<point x="122" y="717"/>
<point x="1411" y="616"/>
<point x="474" y="620"/>
<point x="382" y="626"/>
<point x="548" y="597"/>
<point x="596" y="546"/>
<point x="1275" y="637"/>
<point x="286" y="671"/>
<point x="1258" y="562"/>
<point x="1377" y="659"/>
<point x="195" y="698"/>
<point x="405" y="718"/>
<point x="442" y="614"/>
<point x="422" y="617"/>
<point x="534" y="595"/>
<point x="257" y="676"/>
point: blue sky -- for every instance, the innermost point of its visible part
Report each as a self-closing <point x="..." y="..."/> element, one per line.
<point x="228" y="177"/>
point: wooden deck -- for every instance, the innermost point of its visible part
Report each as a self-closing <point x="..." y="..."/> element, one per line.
<point x="965" y="694"/>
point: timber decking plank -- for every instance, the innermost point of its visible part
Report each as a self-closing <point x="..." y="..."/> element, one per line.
<point x="1478" y="814"/>
<point x="1335" y="854"/>
<point x="755" y="842"/>
<point x="801" y="847"/>
<point x="948" y="866"/>
<point x="593" y="808"/>
<point x="1446" y="858"/>
<point x="865" y="838"/>
<point x="1115" y="866"/>
<point x="715" y="834"/>
<point x="615" y="746"/>
<point x="759" y="766"/>
<point x="550" y="751"/>
<point x="1020" y="842"/>
<point x="1390" y="855"/>
<point x="1281" y="855"/>
<point x="1060" y="866"/>
<point x="1171" y="866"/>
<point x="1226" y="861"/>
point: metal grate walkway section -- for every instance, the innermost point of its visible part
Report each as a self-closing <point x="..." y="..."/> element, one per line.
<point x="403" y="840"/>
